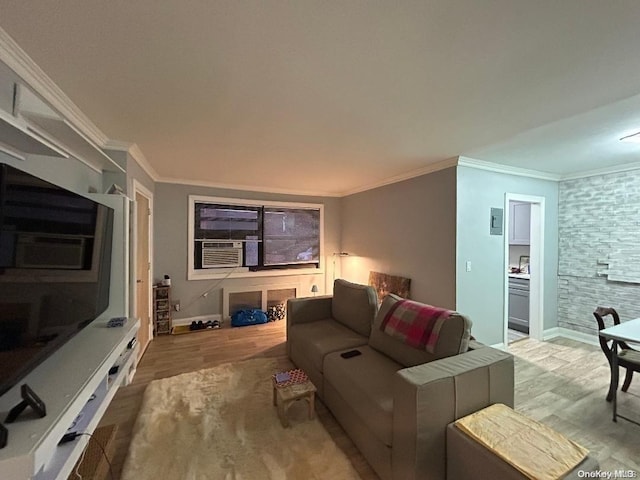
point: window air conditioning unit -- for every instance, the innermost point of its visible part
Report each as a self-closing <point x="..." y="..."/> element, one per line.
<point x="221" y="254"/>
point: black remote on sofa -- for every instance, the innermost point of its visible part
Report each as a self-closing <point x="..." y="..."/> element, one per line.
<point x="351" y="353"/>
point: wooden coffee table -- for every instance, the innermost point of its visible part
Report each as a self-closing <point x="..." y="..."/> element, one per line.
<point x="283" y="398"/>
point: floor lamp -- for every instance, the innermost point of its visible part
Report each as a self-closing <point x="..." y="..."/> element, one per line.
<point x="335" y="255"/>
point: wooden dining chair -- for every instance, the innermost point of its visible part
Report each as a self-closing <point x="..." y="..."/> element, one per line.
<point x="628" y="357"/>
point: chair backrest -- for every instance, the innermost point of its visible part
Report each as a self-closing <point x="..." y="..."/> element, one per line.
<point x="600" y="313"/>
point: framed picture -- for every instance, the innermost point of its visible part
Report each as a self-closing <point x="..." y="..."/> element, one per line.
<point x="385" y="284"/>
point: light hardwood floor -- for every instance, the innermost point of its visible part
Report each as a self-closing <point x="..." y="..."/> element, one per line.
<point x="561" y="383"/>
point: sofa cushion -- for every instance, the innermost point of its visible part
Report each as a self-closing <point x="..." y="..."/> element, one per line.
<point x="354" y="305"/>
<point x="365" y="383"/>
<point x="318" y="338"/>
<point x="452" y="340"/>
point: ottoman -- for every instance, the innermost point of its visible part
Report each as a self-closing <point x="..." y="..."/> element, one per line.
<point x="469" y="458"/>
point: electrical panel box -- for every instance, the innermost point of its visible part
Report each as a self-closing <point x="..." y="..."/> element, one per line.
<point x="496" y="221"/>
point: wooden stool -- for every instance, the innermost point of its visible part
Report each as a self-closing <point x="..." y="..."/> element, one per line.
<point x="283" y="398"/>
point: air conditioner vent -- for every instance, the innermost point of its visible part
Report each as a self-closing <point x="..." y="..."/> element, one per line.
<point x="221" y="254"/>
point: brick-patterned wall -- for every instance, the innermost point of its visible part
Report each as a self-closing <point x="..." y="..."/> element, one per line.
<point x="599" y="240"/>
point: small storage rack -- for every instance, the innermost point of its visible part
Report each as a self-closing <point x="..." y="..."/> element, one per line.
<point x="162" y="309"/>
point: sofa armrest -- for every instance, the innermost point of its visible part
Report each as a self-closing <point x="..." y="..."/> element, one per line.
<point x="308" y="309"/>
<point x="428" y="397"/>
<point x="304" y="310"/>
<point x="475" y="345"/>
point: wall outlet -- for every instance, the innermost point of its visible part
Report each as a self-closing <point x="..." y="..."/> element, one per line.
<point x="468" y="265"/>
<point x="176" y="305"/>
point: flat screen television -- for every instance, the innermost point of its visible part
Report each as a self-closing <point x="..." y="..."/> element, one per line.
<point x="55" y="269"/>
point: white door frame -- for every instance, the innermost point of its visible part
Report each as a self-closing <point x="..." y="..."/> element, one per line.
<point x="536" y="290"/>
<point x="139" y="188"/>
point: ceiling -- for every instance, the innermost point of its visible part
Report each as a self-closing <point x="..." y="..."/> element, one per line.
<point x="333" y="97"/>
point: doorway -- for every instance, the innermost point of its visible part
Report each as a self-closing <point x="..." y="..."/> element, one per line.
<point x="142" y="254"/>
<point x="524" y="267"/>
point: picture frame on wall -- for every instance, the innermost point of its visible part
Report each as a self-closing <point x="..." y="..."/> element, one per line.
<point x="384" y="284"/>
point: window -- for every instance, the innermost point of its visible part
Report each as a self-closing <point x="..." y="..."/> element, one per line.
<point x="291" y="236"/>
<point x="250" y="236"/>
<point x="226" y="222"/>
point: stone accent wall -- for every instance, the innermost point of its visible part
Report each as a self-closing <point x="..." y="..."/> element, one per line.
<point x="599" y="248"/>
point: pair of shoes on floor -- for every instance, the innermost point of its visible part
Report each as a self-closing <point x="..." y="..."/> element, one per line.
<point x="199" y="325"/>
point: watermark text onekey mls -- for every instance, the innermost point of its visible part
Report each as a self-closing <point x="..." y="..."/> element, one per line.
<point x="608" y="474"/>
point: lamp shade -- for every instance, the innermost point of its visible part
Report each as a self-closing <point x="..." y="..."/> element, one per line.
<point x="314" y="288"/>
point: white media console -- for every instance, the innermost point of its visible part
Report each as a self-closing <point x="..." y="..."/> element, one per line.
<point x="76" y="387"/>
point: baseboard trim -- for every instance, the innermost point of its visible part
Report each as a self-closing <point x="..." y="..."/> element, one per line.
<point x="550" y="333"/>
<point x="204" y="318"/>
<point x="570" y="334"/>
<point x="499" y="346"/>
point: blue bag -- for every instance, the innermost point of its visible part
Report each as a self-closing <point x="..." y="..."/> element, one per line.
<point x="250" y="316"/>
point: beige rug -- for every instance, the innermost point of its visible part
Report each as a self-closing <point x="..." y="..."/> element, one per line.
<point x="220" y="423"/>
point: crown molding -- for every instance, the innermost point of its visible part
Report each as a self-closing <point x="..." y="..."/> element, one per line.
<point x="431" y="168"/>
<point x="602" y="171"/>
<point x="507" y="169"/>
<point x="136" y="153"/>
<point x="118" y="145"/>
<point x="138" y="156"/>
<point x="246" y="188"/>
<point x="523" y="172"/>
<point x="24" y="66"/>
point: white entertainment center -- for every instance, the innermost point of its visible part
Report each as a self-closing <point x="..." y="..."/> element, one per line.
<point x="74" y="382"/>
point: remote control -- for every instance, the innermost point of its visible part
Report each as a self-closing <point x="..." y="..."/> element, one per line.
<point x="68" y="437"/>
<point x="117" y="322"/>
<point x="351" y="353"/>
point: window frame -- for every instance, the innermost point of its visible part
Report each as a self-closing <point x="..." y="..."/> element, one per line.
<point x="244" y="272"/>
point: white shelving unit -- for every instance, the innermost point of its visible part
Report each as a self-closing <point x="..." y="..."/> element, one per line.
<point x="29" y="126"/>
<point x="66" y="382"/>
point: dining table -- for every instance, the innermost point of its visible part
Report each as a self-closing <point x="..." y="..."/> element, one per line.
<point x="628" y="332"/>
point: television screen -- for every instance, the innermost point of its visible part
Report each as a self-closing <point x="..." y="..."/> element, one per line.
<point x="55" y="264"/>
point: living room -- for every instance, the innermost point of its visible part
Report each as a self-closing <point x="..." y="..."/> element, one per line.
<point x="326" y="106"/>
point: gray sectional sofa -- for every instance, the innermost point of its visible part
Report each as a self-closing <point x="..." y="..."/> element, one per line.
<point x="393" y="400"/>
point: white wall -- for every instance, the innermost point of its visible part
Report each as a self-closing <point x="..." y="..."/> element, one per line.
<point x="480" y="292"/>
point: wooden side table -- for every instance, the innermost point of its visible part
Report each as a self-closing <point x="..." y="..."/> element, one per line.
<point x="283" y="398"/>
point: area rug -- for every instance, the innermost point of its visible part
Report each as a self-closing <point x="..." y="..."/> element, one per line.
<point x="220" y="423"/>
